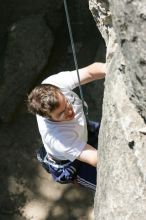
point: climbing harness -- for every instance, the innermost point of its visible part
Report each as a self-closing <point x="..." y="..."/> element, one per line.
<point x="75" y="58"/>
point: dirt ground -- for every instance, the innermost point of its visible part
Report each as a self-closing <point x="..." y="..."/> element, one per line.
<point x="27" y="192"/>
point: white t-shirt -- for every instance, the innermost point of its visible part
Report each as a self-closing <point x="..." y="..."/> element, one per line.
<point x="65" y="140"/>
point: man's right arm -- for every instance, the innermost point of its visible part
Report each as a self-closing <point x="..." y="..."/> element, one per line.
<point x="89" y="155"/>
<point x="92" y="72"/>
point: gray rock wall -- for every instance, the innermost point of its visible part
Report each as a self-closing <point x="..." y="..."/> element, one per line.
<point x="129" y="18"/>
<point x="121" y="179"/>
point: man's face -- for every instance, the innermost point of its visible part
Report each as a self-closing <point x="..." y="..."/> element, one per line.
<point x="65" y="110"/>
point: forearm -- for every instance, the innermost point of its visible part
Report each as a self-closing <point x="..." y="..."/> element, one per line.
<point x="92" y="72"/>
<point x="97" y="70"/>
<point x="89" y="155"/>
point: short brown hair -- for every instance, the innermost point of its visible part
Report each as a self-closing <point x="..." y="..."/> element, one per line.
<point x="43" y="100"/>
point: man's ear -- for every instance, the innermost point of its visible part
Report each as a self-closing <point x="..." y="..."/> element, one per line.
<point x="50" y="118"/>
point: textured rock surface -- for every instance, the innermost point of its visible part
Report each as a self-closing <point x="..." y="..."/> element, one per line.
<point x="129" y="18"/>
<point x="121" y="188"/>
<point x="29" y="46"/>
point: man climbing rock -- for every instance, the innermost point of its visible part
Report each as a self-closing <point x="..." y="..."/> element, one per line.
<point x="66" y="152"/>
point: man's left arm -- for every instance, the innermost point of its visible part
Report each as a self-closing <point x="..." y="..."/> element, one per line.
<point x="92" y="72"/>
<point x="89" y="155"/>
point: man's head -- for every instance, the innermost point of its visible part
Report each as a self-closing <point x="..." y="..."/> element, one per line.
<point x="48" y="101"/>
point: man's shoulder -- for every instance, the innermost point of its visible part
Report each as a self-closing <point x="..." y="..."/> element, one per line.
<point x="54" y="77"/>
<point x="63" y="80"/>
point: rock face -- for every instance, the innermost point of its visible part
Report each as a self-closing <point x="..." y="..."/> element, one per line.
<point x="30" y="29"/>
<point x="121" y="180"/>
<point x="29" y="45"/>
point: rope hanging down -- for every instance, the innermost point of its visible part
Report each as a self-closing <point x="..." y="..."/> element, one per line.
<point x="74" y="56"/>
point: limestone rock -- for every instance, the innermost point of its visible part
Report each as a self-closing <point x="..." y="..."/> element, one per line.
<point x="102" y="15"/>
<point x="129" y="18"/>
<point x="121" y="179"/>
